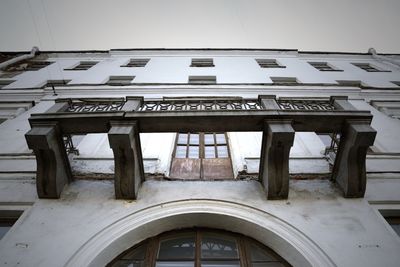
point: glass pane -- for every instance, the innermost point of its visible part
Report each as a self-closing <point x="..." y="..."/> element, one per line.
<point x="180" y="152"/>
<point x="136" y="254"/>
<point x="259" y="254"/>
<point x="267" y="264"/>
<point x="220" y="263"/>
<point x="214" y="246"/>
<point x="177" y="248"/>
<point x="182" y="139"/>
<point x="222" y="151"/>
<point x="175" y="264"/>
<point x="194" y="152"/>
<point x="208" y="139"/>
<point x="209" y="152"/>
<point x="128" y="263"/>
<point x="194" y="139"/>
<point x="220" y="138"/>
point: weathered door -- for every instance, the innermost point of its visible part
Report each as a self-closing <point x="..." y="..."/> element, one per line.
<point x="201" y="156"/>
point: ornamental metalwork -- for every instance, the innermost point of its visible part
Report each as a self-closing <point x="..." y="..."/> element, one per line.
<point x="69" y="145"/>
<point x="95" y="106"/>
<point x="304" y="105"/>
<point x="201" y="105"/>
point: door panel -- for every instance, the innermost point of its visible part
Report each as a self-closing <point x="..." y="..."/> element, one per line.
<point x="188" y="169"/>
<point x="214" y="169"/>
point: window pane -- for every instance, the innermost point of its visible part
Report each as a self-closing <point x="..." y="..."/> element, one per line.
<point x="214" y="246"/>
<point x="175" y="264"/>
<point x="182" y="139"/>
<point x="194" y="152"/>
<point x="268" y="264"/>
<point x="209" y="139"/>
<point x="194" y="139"/>
<point x="136" y="254"/>
<point x="259" y="254"/>
<point x="209" y="152"/>
<point x="220" y="263"/>
<point x="128" y="263"/>
<point x="220" y="138"/>
<point x="177" y="248"/>
<point x="180" y="152"/>
<point x="222" y="151"/>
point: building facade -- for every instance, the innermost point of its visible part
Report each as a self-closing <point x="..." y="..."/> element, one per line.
<point x="199" y="158"/>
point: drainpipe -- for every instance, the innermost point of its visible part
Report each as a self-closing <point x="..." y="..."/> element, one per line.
<point x="7" y="63"/>
<point x="384" y="59"/>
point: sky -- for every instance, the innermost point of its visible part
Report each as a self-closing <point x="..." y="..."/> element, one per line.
<point x="306" y="25"/>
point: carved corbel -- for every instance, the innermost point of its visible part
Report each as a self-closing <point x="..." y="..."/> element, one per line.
<point x="278" y="137"/>
<point x="53" y="169"/>
<point x="349" y="169"/>
<point x="129" y="172"/>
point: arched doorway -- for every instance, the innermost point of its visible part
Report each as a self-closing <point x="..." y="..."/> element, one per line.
<point x="199" y="247"/>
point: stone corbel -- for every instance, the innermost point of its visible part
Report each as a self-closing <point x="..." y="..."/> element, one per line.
<point x="53" y="169"/>
<point x="278" y="137"/>
<point x="129" y="172"/>
<point x="349" y="169"/>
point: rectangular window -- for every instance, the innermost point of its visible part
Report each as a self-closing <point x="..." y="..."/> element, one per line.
<point x="137" y="62"/>
<point x="357" y="83"/>
<point x="284" y="80"/>
<point x="368" y="67"/>
<point x="396" y="83"/>
<point x="202" y="79"/>
<point x="120" y="80"/>
<point x="84" y="65"/>
<point x="394" y="223"/>
<point x="7" y="220"/>
<point x="269" y="63"/>
<point x="4" y="83"/>
<point x="201" y="156"/>
<point x="202" y="62"/>
<point x="36" y="65"/>
<point x="9" y="74"/>
<point x="51" y="83"/>
<point x="323" y="66"/>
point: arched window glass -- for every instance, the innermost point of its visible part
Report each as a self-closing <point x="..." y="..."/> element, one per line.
<point x="199" y="247"/>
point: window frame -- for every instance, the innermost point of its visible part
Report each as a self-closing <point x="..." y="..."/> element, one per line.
<point x="243" y="244"/>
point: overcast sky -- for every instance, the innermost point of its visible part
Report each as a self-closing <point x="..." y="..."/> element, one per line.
<point x="309" y="25"/>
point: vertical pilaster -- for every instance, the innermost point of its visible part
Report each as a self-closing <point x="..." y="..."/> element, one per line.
<point x="53" y="169"/>
<point x="349" y="169"/>
<point x="268" y="102"/>
<point x="278" y="137"/>
<point x="129" y="173"/>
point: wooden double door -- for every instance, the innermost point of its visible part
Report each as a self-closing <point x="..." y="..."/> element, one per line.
<point x="201" y="156"/>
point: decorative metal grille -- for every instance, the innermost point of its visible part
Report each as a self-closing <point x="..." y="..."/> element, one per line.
<point x="95" y="106"/>
<point x="314" y="105"/>
<point x="200" y="105"/>
<point x="69" y="145"/>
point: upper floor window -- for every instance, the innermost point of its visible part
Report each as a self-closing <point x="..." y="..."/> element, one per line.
<point x="202" y="62"/>
<point x="120" y="80"/>
<point x="357" y="83"/>
<point x="199" y="247"/>
<point x="269" y="63"/>
<point x="84" y="65"/>
<point x="137" y="62"/>
<point x="201" y="156"/>
<point x="9" y="74"/>
<point x="396" y="83"/>
<point x="4" y="83"/>
<point x="368" y="67"/>
<point x="51" y="83"/>
<point x="323" y="66"/>
<point x="202" y="79"/>
<point x="7" y="220"/>
<point x="284" y="80"/>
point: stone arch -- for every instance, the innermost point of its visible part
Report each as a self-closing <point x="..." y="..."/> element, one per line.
<point x="284" y="239"/>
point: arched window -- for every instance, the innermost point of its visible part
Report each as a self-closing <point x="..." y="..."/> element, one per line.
<point x="199" y="247"/>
